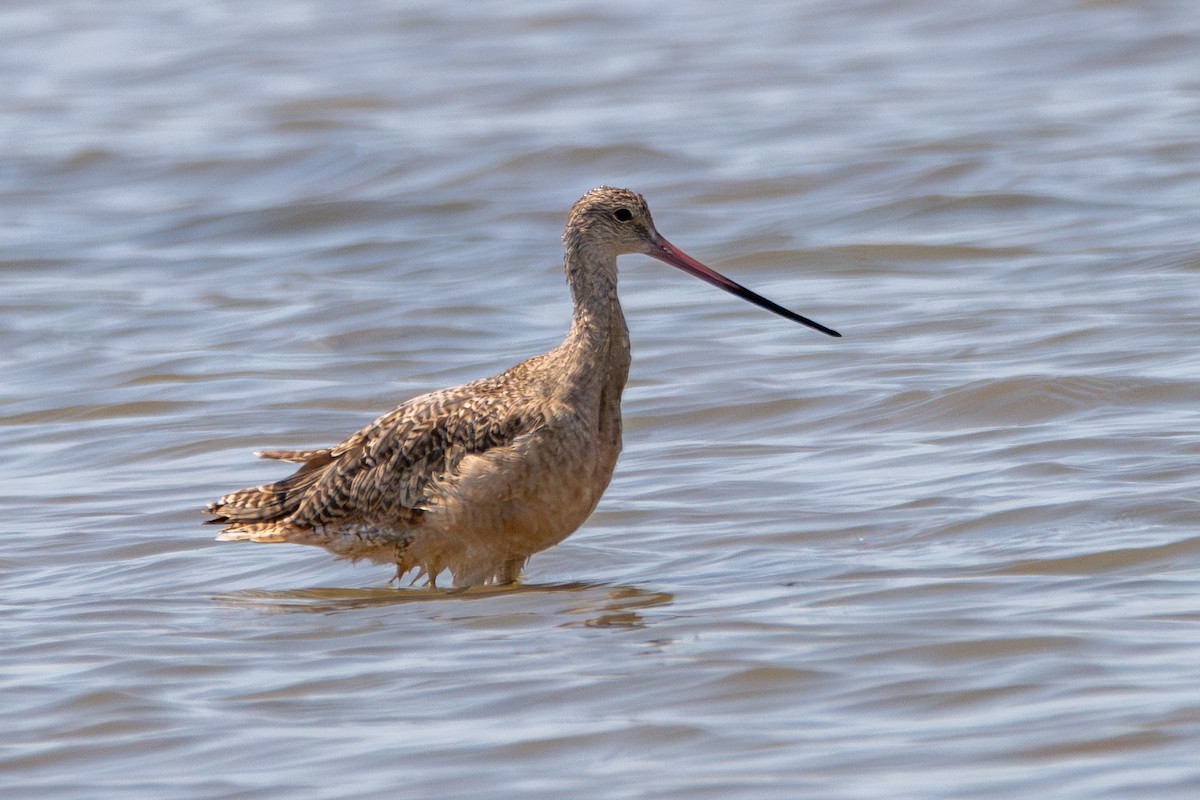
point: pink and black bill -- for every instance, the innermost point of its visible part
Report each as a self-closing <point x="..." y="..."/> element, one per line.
<point x="664" y="251"/>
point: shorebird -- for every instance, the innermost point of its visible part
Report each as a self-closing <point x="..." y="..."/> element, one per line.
<point x="476" y="479"/>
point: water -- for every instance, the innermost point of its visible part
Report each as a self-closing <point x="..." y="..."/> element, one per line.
<point x="951" y="555"/>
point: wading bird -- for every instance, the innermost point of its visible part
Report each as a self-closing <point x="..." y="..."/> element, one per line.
<point x="478" y="478"/>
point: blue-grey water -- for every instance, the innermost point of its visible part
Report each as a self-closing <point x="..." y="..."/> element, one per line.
<point x="952" y="555"/>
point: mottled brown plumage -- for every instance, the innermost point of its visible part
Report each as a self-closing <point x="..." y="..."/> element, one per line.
<point x="478" y="478"/>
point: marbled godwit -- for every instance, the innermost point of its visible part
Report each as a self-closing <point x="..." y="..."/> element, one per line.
<point x="478" y="478"/>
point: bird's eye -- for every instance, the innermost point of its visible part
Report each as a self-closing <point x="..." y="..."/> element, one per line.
<point x="622" y="215"/>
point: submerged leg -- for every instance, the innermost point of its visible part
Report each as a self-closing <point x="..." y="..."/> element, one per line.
<point x="401" y="558"/>
<point x="511" y="571"/>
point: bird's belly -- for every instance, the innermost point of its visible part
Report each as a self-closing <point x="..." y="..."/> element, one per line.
<point x="513" y="502"/>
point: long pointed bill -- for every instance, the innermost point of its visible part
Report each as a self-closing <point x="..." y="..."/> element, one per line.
<point x="664" y="251"/>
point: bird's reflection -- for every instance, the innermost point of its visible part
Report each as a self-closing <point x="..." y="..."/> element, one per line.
<point x="595" y="605"/>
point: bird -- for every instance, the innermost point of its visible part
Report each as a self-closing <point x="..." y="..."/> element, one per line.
<point x="476" y="479"/>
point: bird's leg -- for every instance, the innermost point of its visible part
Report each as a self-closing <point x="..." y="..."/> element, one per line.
<point x="432" y="569"/>
<point x="401" y="558"/>
<point x="511" y="571"/>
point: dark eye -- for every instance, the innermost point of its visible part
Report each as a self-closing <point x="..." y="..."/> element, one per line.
<point x="622" y="215"/>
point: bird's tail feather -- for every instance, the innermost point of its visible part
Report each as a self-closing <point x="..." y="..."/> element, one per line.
<point x="296" y="456"/>
<point x="260" y="513"/>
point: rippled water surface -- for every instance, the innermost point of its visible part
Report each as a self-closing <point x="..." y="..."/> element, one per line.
<point x="952" y="555"/>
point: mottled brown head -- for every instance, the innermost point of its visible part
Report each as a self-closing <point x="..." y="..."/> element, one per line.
<point x="612" y="220"/>
<point x="608" y="222"/>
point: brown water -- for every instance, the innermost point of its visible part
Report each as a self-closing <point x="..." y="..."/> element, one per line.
<point x="952" y="555"/>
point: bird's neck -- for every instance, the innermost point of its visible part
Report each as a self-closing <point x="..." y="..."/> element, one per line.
<point x="598" y="343"/>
